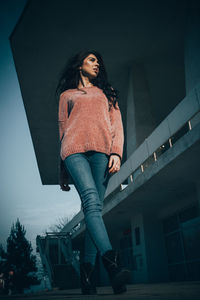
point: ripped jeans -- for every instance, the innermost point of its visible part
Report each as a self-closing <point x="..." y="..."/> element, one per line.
<point x="89" y="171"/>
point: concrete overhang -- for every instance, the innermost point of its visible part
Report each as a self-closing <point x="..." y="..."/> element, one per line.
<point x="124" y="32"/>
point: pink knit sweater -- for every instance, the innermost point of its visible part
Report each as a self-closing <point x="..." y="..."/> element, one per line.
<point x="85" y="123"/>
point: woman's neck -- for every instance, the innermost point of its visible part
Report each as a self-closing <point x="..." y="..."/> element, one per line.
<point x="84" y="82"/>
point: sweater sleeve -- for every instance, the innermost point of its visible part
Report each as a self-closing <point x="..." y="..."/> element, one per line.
<point x="62" y="115"/>
<point x="117" y="131"/>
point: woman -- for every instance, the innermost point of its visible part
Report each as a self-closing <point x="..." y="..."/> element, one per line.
<point x="92" y="138"/>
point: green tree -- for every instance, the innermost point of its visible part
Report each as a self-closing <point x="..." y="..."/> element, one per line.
<point x="20" y="258"/>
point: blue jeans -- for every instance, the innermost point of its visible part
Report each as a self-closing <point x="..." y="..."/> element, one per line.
<point x="89" y="171"/>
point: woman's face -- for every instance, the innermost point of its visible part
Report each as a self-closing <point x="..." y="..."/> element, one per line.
<point x="90" y="66"/>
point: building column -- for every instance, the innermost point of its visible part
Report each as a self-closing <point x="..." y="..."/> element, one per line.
<point x="156" y="256"/>
<point x="140" y="272"/>
<point x="140" y="121"/>
<point x="192" y="46"/>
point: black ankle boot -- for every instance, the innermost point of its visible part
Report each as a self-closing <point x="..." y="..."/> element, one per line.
<point x="87" y="283"/>
<point x="118" y="275"/>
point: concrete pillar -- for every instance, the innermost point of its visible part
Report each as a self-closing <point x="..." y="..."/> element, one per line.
<point x="156" y="255"/>
<point x="131" y="129"/>
<point x="192" y="46"/>
<point x="149" y="250"/>
<point x="140" y="273"/>
<point x="140" y="122"/>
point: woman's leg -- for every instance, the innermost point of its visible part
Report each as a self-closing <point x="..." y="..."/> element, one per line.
<point x="99" y="166"/>
<point x="85" y="170"/>
<point x="90" y="249"/>
<point x="83" y="175"/>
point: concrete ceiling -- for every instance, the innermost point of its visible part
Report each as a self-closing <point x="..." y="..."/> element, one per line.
<point x="124" y="32"/>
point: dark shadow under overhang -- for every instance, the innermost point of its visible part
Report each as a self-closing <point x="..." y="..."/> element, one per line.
<point x="49" y="32"/>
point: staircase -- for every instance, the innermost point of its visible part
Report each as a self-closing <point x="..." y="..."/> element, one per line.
<point x="59" y="260"/>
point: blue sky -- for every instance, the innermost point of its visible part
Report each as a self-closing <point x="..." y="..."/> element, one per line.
<point x="22" y="194"/>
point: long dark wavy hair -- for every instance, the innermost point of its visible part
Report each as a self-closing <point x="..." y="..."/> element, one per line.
<point x="70" y="77"/>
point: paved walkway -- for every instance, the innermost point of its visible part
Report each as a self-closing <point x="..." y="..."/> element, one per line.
<point x="162" y="291"/>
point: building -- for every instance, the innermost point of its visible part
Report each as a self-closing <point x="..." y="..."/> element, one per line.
<point x="152" y="50"/>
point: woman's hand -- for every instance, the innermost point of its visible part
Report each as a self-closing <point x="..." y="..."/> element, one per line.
<point x="63" y="179"/>
<point x="64" y="187"/>
<point x="114" y="163"/>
